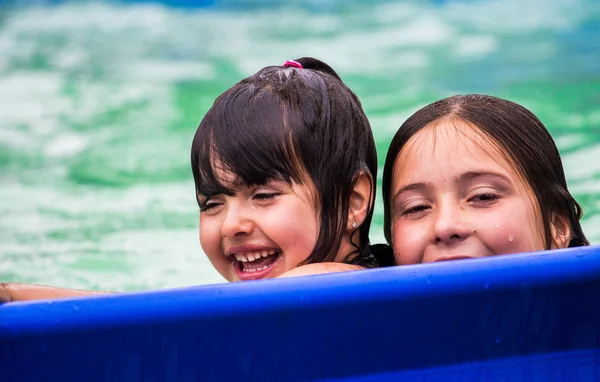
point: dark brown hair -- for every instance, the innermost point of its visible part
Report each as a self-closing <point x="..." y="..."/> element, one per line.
<point x="288" y="123"/>
<point x="520" y="134"/>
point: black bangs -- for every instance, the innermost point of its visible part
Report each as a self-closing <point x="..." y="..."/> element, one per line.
<point x="300" y="124"/>
<point x="246" y="134"/>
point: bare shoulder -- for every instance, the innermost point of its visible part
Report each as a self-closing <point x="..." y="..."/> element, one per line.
<point x="319" y="268"/>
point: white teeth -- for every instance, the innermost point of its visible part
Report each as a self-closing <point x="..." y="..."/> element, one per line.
<point x="255" y="270"/>
<point x="246" y="257"/>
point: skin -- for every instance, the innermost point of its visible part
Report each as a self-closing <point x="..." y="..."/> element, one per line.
<point x="276" y="216"/>
<point x="456" y="196"/>
<point x="23" y="292"/>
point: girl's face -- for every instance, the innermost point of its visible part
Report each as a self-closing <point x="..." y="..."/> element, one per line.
<point x="455" y="196"/>
<point x="259" y="231"/>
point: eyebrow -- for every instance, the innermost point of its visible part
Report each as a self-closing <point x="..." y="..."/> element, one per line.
<point x="413" y="186"/>
<point x="473" y="175"/>
<point x="466" y="177"/>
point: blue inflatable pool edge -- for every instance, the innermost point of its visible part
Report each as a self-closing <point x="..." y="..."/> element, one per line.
<point x="519" y="317"/>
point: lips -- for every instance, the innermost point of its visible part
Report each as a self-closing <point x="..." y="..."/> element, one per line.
<point x="451" y="258"/>
<point x="254" y="264"/>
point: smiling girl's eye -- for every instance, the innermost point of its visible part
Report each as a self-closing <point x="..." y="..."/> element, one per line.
<point x="415" y="210"/>
<point x="206" y="204"/>
<point x="265" y="195"/>
<point x="268" y="191"/>
<point x="484" y="198"/>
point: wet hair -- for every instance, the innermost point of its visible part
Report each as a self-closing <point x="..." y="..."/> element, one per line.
<point x="294" y="124"/>
<point x="523" y="138"/>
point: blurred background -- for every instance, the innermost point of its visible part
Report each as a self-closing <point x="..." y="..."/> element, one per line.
<point x="99" y="102"/>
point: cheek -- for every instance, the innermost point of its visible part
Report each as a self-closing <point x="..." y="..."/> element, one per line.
<point x="408" y="242"/>
<point x="210" y="237"/>
<point x="300" y="235"/>
<point x="294" y="231"/>
<point x="513" y="232"/>
<point x="210" y="240"/>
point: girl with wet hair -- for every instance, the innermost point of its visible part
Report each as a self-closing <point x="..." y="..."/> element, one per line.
<point x="287" y="134"/>
<point x="472" y="176"/>
<point x="284" y="164"/>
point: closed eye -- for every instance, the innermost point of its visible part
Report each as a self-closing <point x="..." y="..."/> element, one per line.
<point x="208" y="205"/>
<point x="265" y="195"/>
<point x="485" y="198"/>
<point x="415" y="209"/>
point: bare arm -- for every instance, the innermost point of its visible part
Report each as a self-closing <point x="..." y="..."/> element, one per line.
<point x="319" y="268"/>
<point x="22" y="292"/>
<point x="10" y="292"/>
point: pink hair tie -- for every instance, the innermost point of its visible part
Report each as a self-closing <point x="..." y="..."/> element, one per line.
<point x="293" y="63"/>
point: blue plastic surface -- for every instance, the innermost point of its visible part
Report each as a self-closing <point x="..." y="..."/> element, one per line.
<point x="519" y="318"/>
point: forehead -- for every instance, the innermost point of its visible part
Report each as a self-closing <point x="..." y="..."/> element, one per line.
<point x="449" y="146"/>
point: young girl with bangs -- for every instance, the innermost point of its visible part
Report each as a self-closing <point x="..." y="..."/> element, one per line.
<point x="473" y="176"/>
<point x="284" y="164"/>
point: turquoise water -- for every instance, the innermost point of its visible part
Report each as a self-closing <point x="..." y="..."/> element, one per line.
<point x="99" y="103"/>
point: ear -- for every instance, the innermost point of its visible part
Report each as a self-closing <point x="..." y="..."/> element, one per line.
<point x="561" y="232"/>
<point x="361" y="200"/>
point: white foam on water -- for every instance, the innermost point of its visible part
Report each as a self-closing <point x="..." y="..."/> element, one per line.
<point x="590" y="187"/>
<point x="169" y="72"/>
<point x="517" y="17"/>
<point x="394" y="12"/>
<point x="475" y="46"/>
<point x="166" y="258"/>
<point x="42" y="209"/>
<point x="102" y="17"/>
<point x="582" y="164"/>
<point x="14" y="138"/>
<point x="31" y="98"/>
<point x="27" y="84"/>
<point x="65" y="145"/>
<point x="159" y="256"/>
<point x="572" y="140"/>
<point x="389" y="122"/>
<point x="255" y="39"/>
<point x="591" y="228"/>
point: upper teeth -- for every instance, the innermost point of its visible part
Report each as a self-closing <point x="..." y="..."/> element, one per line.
<point x="251" y="256"/>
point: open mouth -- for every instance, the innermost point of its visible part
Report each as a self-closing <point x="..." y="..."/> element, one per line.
<point x="255" y="265"/>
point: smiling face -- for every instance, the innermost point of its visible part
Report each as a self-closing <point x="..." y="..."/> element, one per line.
<point x="454" y="196"/>
<point x="259" y="231"/>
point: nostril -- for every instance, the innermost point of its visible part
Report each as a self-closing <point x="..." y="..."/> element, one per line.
<point x="454" y="236"/>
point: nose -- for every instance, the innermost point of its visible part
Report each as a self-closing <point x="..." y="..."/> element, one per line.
<point x="450" y="224"/>
<point x="237" y="222"/>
